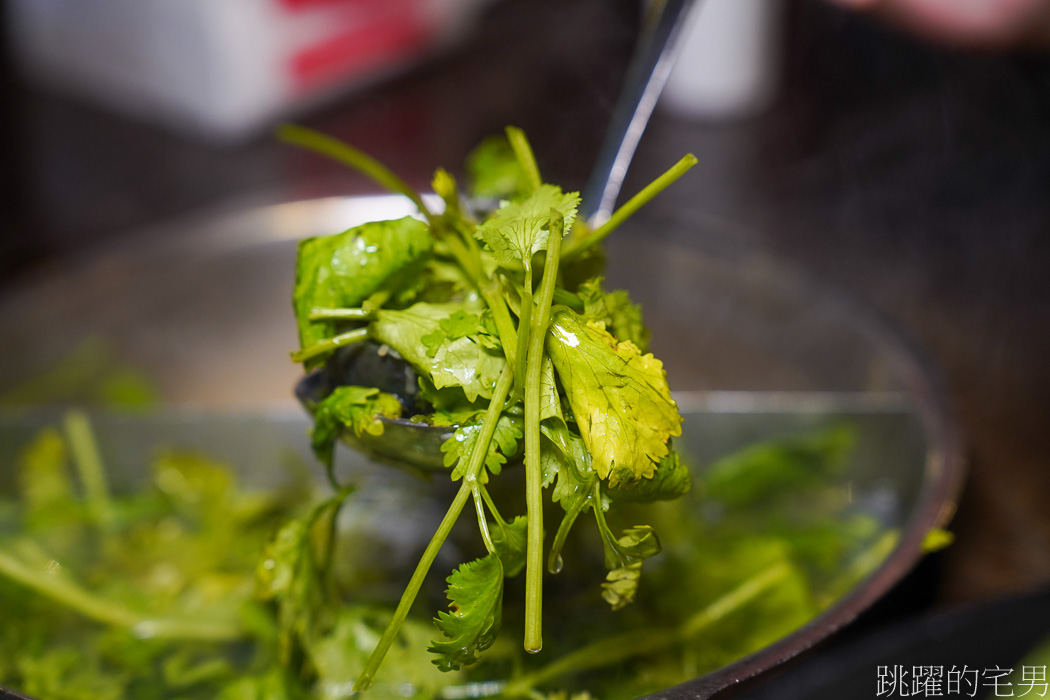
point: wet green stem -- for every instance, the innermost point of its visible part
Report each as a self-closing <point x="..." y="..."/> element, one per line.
<point x="575" y="246"/>
<point x="621" y="647"/>
<point x="533" y="471"/>
<point x="466" y="489"/>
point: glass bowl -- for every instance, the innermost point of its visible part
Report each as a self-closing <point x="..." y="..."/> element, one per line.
<point x="753" y="351"/>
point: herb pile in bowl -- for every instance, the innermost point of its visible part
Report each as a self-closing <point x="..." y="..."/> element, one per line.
<point x="199" y="584"/>
<point x="503" y="318"/>
<point x="492" y="309"/>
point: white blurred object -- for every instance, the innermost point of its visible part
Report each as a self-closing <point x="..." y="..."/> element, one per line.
<point x="225" y="68"/>
<point x="728" y="60"/>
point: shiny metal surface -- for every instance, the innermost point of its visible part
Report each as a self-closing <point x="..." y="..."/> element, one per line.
<point x="646" y="76"/>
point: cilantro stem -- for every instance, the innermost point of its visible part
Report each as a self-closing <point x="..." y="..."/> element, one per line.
<point x="605" y="652"/>
<point x="525" y="156"/>
<point x="611" y="544"/>
<point x="492" y="507"/>
<point x="576" y="245"/>
<point x="621" y="647"/>
<point x="533" y="471"/>
<point x="348" y="155"/>
<point x="66" y="592"/>
<point x="470" y="475"/>
<point x="331" y="532"/>
<point x="466" y="254"/>
<point x="330" y="345"/>
<point x="364" y="681"/>
<point x="319" y="314"/>
<point x="524" y="327"/>
<point x="573" y="301"/>
<point x="734" y="600"/>
<point x="89" y="466"/>
<point x="564" y="528"/>
<point x="483" y="525"/>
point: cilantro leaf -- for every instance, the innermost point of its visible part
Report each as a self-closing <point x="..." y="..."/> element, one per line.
<point x="510" y="542"/>
<point x="505" y="442"/>
<point x="444" y="186"/>
<point x="442" y="281"/>
<point x="47" y="490"/>
<point x="565" y="457"/>
<point x="476" y="599"/>
<point x="563" y="454"/>
<point x="354" y="407"/>
<point x="288" y="573"/>
<point x="340" y="652"/>
<point x="621" y="585"/>
<point x="550" y="398"/>
<point x="671" y="480"/>
<point x="460" y="324"/>
<point x="762" y="472"/>
<point x="464" y="361"/>
<point x="615" y="311"/>
<point x="517" y="230"/>
<point x="620" y="398"/>
<point x="495" y="171"/>
<point x="344" y="270"/>
<point x="625" y="557"/>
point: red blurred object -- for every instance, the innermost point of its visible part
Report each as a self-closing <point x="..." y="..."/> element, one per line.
<point x="226" y="70"/>
<point x="356" y="51"/>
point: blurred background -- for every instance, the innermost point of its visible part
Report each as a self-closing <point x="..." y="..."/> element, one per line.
<point x="913" y="177"/>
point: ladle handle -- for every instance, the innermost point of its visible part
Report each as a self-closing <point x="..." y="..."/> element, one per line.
<point x="646" y="75"/>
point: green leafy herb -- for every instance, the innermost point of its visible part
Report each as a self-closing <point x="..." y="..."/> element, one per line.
<point x="619" y="396"/>
<point x="615" y="311"/>
<point x="625" y="557"/>
<point x="671" y="480"/>
<point x="502" y="316"/>
<point x="354" y="407"/>
<point x="346" y="269"/>
<point x="510" y="540"/>
<point x="495" y="170"/>
<point x="463" y="361"/>
<point x="475" y="590"/>
<point x="763" y="471"/>
<point x="503" y="444"/>
<point x="937" y="539"/>
<point x="518" y="230"/>
<point x="198" y="587"/>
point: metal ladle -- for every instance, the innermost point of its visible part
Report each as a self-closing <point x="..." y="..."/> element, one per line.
<point x="419" y="444"/>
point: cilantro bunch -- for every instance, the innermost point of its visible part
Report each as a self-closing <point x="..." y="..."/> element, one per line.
<point x="502" y="316"/>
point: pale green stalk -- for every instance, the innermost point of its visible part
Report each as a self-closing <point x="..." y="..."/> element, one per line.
<point x="348" y="155"/>
<point x="483" y="524"/>
<point x="734" y="600"/>
<point x="620" y="648"/>
<point x="575" y="246"/>
<point x="319" y="314"/>
<point x="330" y="345"/>
<point x="65" y="592"/>
<point x="524" y="330"/>
<point x="470" y="476"/>
<point x="523" y="152"/>
<point x="466" y="253"/>
<point x="89" y="466"/>
<point x="563" y="533"/>
<point x="533" y="472"/>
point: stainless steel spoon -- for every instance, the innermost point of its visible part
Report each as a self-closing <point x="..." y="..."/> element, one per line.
<point x="418" y="444"/>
